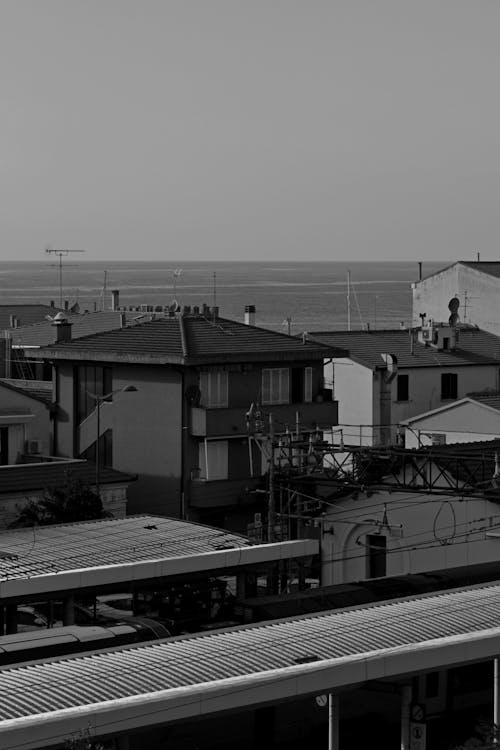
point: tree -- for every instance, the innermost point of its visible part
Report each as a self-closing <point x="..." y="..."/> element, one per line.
<point x="69" y="502"/>
<point x="82" y="741"/>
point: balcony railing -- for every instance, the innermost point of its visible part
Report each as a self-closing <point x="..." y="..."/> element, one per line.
<point x="226" y="422"/>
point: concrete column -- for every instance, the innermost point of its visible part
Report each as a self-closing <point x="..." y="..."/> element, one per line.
<point x="301" y="575"/>
<point x="405" y="717"/>
<point x="69" y="610"/>
<point x="333" y="722"/>
<point x="272" y="580"/>
<point x="11" y="619"/>
<point x="241" y="586"/>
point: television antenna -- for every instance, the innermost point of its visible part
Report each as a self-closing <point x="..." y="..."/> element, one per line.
<point x="61" y="254"/>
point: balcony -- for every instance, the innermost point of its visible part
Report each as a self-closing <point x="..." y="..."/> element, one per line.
<point x="226" y="422"/>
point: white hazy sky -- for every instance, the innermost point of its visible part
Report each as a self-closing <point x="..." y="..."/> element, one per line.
<point x="250" y="129"/>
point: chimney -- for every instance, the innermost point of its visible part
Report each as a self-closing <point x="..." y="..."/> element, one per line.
<point x="115" y="299"/>
<point x="52" y="304"/>
<point x="13" y="322"/>
<point x="66" y="304"/>
<point x="123" y="320"/>
<point x="196" y="310"/>
<point x="249" y="315"/>
<point x="63" y="328"/>
<point x="214" y="311"/>
<point x="420" y="270"/>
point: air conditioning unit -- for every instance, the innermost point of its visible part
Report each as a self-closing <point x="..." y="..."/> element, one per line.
<point x="33" y="447"/>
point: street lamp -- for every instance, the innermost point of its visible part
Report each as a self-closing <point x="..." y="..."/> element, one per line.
<point x="98" y="401"/>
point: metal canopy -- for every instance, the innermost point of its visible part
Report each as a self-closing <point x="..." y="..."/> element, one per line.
<point x="69" y="557"/>
<point x="185" y="677"/>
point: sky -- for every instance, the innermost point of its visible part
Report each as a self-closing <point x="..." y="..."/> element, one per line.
<point x="250" y="129"/>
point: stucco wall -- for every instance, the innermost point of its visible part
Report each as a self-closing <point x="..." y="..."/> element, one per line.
<point x="436" y="533"/>
<point x="478" y="294"/>
<point x="425" y="387"/>
<point x="147" y="436"/>
<point x="36" y="428"/>
<point x="463" y="423"/>
<point x="353" y="389"/>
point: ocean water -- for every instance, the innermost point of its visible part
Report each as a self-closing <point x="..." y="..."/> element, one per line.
<point x="312" y="294"/>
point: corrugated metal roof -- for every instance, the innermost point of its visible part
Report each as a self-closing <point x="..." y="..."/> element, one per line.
<point x="282" y="650"/>
<point x="27" y="553"/>
<point x="47" y="474"/>
<point x="189" y="339"/>
<point x="476" y="347"/>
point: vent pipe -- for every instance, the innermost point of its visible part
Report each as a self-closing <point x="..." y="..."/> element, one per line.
<point x="115" y="299"/>
<point x="420" y="270"/>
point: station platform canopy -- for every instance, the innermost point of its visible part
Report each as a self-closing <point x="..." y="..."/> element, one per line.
<point x="186" y="677"/>
<point x="109" y="552"/>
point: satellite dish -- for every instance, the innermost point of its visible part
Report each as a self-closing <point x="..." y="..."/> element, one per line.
<point x="453" y="306"/>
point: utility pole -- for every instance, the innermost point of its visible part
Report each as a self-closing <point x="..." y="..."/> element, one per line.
<point x="271" y="510"/>
<point x="61" y="254"/>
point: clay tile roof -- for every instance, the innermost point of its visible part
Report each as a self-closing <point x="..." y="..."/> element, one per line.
<point x="189" y="339"/>
<point x="476" y="347"/>
<point x="38" y="389"/>
<point x="26" y="314"/>
<point x="492" y="268"/>
<point x="40" y="476"/>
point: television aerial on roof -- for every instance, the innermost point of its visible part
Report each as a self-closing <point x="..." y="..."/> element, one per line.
<point x="61" y="254"/>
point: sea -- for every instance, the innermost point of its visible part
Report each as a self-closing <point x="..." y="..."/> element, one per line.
<point x="288" y="296"/>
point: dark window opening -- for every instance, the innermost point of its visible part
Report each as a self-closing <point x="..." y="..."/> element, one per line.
<point x="377" y="555"/>
<point x="91" y="381"/>
<point x="297" y="385"/>
<point x="4" y="445"/>
<point x="432" y="685"/>
<point x="403" y="389"/>
<point x="449" y="385"/>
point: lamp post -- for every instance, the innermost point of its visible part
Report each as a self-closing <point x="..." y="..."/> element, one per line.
<point x="98" y="401"/>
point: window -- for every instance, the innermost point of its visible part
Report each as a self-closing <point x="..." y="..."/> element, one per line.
<point x="91" y="379"/>
<point x="402" y="388"/>
<point x="275" y="387"/>
<point x="449" y="385"/>
<point x="376" y="548"/>
<point x="214" y="389"/>
<point x="301" y="385"/>
<point x="213" y="459"/>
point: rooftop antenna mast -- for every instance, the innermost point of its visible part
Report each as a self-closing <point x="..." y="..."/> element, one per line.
<point x="215" y="289"/>
<point x="176" y="274"/>
<point x="61" y="254"/>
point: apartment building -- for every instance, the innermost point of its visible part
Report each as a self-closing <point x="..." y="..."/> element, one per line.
<point x="174" y="396"/>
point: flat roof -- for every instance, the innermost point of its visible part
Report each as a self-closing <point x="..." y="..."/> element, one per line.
<point x="163" y="681"/>
<point x="63" y="557"/>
